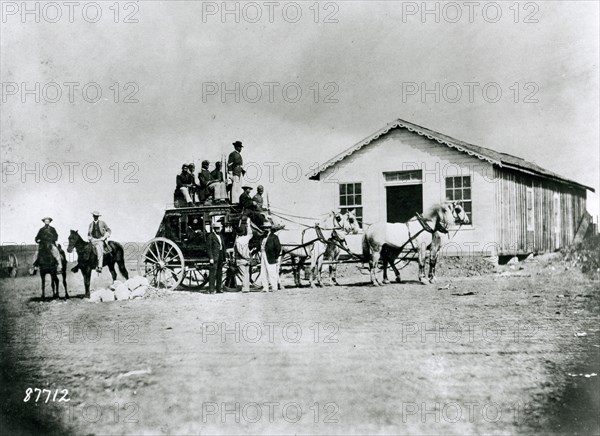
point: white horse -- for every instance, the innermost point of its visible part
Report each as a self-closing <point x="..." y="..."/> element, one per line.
<point x="307" y="243"/>
<point x="419" y="233"/>
<point x="331" y="250"/>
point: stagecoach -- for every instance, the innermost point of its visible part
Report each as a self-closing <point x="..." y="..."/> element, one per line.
<point x="177" y="255"/>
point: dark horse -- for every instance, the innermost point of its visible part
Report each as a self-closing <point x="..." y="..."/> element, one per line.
<point x="47" y="265"/>
<point x="87" y="258"/>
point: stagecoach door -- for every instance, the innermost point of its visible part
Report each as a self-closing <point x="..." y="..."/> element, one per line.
<point x="403" y="202"/>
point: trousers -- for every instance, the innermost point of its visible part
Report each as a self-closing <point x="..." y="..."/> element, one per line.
<point x="268" y="273"/>
<point x="98" y="245"/>
<point x="243" y="274"/>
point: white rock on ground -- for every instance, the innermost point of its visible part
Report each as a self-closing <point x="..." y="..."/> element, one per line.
<point x="95" y="296"/>
<point x="139" y="292"/>
<point x="122" y="292"/>
<point x="134" y="282"/>
<point x="107" y="295"/>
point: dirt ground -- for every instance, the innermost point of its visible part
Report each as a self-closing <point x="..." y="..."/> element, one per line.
<point x="499" y="353"/>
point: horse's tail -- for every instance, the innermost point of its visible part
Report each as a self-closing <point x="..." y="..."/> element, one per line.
<point x="366" y="249"/>
<point x="119" y="257"/>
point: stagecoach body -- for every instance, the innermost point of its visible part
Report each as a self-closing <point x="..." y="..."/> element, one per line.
<point x="178" y="254"/>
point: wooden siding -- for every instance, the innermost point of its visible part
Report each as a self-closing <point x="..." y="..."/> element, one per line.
<point x="511" y="212"/>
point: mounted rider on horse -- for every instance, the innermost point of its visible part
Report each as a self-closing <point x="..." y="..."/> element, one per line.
<point x="47" y="236"/>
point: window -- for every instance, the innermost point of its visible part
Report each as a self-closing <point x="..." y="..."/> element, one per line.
<point x="530" y="211"/>
<point x="459" y="189"/>
<point x="351" y="198"/>
<point x="404" y="176"/>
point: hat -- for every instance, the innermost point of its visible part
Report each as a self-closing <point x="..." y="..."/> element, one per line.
<point x="237" y="144"/>
<point x="217" y="224"/>
<point x="205" y="163"/>
<point x="184" y="166"/>
<point x="47" y="218"/>
<point x="246" y="187"/>
<point x="96" y="213"/>
<point x="267" y="224"/>
<point x="192" y="165"/>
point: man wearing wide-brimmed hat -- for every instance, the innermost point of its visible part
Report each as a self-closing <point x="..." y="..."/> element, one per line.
<point x="270" y="252"/>
<point x="249" y="207"/>
<point x="235" y="166"/>
<point x="48" y="235"/>
<point x="216" y="254"/>
<point x="98" y="233"/>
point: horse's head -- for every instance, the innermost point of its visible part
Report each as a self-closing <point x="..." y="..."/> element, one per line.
<point x="73" y="239"/>
<point x="460" y="216"/>
<point x="347" y="221"/>
<point x="447" y="214"/>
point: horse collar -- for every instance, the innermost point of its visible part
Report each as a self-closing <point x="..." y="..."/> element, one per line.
<point x="424" y="224"/>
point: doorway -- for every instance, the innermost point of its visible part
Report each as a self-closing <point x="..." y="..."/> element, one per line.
<point x="403" y="202"/>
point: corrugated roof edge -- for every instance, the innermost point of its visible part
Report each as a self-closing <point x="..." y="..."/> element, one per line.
<point x="485" y="154"/>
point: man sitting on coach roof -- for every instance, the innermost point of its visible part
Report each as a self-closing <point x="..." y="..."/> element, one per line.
<point x="249" y="208"/>
<point x="185" y="182"/>
<point x="204" y="178"/>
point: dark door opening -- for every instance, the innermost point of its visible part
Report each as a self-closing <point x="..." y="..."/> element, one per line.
<point x="403" y="202"/>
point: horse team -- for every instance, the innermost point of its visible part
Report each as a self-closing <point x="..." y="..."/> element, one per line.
<point x="323" y="242"/>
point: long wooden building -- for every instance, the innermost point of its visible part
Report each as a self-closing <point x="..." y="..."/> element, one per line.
<point x="515" y="206"/>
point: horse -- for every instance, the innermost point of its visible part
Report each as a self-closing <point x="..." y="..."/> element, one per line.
<point x="87" y="259"/>
<point x="308" y="242"/>
<point x="331" y="250"/>
<point x="47" y="265"/>
<point x="418" y="233"/>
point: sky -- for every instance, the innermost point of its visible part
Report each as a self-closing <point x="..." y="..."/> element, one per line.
<point x="121" y="104"/>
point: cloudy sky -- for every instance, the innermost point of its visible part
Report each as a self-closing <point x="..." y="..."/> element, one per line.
<point x="168" y="95"/>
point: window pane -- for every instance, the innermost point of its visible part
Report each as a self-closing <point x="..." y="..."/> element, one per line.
<point x="449" y="182"/>
<point x="457" y="182"/>
<point x="467" y="182"/>
<point x="467" y="193"/>
<point x="358" y="199"/>
<point x="458" y="195"/>
<point x="343" y="200"/>
<point x="357" y="188"/>
<point x="350" y="188"/>
<point x="342" y="189"/>
<point x="449" y="194"/>
<point x="467" y="206"/>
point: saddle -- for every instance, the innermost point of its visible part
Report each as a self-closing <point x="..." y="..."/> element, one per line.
<point x="107" y="248"/>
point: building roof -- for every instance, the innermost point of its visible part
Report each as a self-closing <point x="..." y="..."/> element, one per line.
<point x="502" y="160"/>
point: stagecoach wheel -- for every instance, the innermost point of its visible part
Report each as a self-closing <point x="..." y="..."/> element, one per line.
<point x="255" y="269"/>
<point x="230" y="272"/>
<point x="162" y="263"/>
<point x="194" y="278"/>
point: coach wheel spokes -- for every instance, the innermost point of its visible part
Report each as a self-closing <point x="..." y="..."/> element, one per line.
<point x="194" y="278"/>
<point x="162" y="263"/>
<point x="255" y="269"/>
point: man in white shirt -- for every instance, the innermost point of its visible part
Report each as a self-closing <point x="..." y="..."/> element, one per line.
<point x="243" y="256"/>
